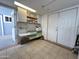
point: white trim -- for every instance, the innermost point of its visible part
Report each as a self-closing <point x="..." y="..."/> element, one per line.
<point x="2" y="25"/>
<point x="7" y="16"/>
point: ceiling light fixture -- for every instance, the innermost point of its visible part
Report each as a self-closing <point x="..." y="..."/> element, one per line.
<point x="23" y="6"/>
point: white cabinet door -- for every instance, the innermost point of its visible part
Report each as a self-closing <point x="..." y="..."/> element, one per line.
<point x="67" y="28"/>
<point x="22" y="15"/>
<point x="52" y="27"/>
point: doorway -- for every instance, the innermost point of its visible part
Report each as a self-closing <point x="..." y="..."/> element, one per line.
<point x="7" y="29"/>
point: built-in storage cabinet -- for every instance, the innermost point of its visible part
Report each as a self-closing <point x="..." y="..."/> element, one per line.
<point x="22" y="14"/>
<point x="27" y="24"/>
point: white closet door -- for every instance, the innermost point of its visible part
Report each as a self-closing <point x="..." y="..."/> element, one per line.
<point x="67" y="28"/>
<point x="52" y="27"/>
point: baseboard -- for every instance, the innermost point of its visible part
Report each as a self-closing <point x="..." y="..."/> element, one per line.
<point x="60" y="45"/>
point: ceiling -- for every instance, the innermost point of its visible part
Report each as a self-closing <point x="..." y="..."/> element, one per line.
<point x="44" y="6"/>
<point x="7" y="2"/>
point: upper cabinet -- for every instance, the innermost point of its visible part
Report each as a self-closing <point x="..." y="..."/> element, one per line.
<point x="24" y="15"/>
<point x="21" y="14"/>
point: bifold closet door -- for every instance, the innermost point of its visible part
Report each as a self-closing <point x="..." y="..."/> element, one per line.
<point x="52" y="27"/>
<point x="67" y="28"/>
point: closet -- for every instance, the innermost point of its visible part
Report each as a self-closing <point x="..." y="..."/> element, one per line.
<point x="61" y="27"/>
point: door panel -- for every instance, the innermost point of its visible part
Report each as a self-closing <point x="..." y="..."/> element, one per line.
<point x="5" y="11"/>
<point x="0" y="25"/>
<point x="67" y="28"/>
<point x="52" y="27"/>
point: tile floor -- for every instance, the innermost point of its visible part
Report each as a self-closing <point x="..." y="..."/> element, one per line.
<point x="38" y="49"/>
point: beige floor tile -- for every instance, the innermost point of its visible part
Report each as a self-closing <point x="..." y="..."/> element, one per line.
<point x="38" y="49"/>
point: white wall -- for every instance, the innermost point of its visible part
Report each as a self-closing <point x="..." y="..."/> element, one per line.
<point x="78" y="21"/>
<point x="39" y="19"/>
<point x="44" y="25"/>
